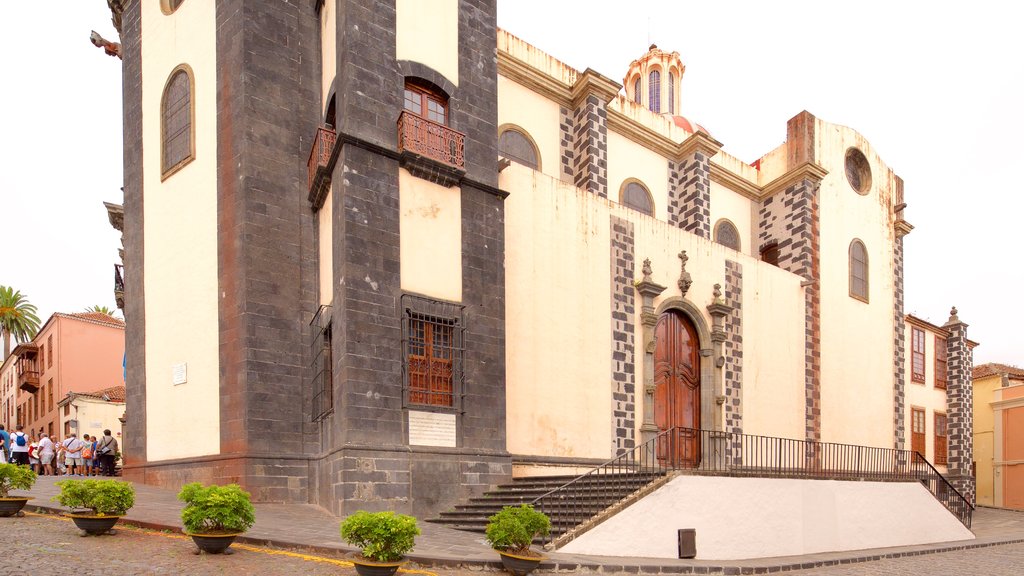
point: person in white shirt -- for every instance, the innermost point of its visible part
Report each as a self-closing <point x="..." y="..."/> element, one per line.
<point x="73" y="448"/>
<point x="46" y="454"/>
<point x="19" y="446"/>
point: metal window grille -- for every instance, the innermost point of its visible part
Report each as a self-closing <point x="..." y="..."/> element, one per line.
<point x="433" y="333"/>
<point x="320" y="352"/>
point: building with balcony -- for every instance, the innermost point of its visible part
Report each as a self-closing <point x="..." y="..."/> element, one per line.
<point x="9" y="390"/>
<point x="999" y="435"/>
<point x="409" y="255"/>
<point x="78" y="352"/>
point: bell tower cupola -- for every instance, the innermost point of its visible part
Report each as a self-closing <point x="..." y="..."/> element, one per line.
<point x="653" y="81"/>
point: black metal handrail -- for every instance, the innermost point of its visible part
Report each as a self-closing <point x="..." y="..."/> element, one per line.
<point x="945" y="492"/>
<point x="711" y="452"/>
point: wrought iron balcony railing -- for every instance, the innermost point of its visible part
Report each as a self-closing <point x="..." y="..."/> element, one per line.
<point x="319" y="158"/>
<point x="431" y="140"/>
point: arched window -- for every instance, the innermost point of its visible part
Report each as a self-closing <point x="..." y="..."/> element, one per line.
<point x="636" y="90"/>
<point x="636" y="196"/>
<point x="671" y="93"/>
<point x="176" y="114"/>
<point x="858" y="270"/>
<point x="169" y="6"/>
<point x="426" y="101"/>
<point x="726" y="234"/>
<point x="654" y="89"/>
<point x="517" y="146"/>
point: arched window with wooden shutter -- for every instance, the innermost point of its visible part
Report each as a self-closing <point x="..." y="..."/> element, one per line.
<point x="177" y="114"/>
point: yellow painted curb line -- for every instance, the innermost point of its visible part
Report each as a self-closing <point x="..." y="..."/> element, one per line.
<point x="247" y="547"/>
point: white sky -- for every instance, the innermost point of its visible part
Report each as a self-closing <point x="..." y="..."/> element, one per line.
<point x="937" y="87"/>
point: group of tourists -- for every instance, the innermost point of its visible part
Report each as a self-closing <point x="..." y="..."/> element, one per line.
<point x="86" y="456"/>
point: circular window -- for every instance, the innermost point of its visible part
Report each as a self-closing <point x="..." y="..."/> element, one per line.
<point x="858" y="172"/>
<point x="169" y="6"/>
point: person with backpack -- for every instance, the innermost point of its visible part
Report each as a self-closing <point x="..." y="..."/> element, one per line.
<point x="106" y="449"/>
<point x="19" y="447"/>
<point x="88" y="447"/>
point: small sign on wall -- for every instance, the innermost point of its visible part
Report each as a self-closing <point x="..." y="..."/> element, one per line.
<point x="179" y="373"/>
<point x="432" y="429"/>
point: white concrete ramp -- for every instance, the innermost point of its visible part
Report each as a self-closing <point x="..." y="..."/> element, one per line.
<point x="738" y="518"/>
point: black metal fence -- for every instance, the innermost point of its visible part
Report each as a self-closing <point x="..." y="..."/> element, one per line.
<point x="724" y="453"/>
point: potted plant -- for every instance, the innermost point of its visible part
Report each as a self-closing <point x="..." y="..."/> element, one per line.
<point x="14" y="477"/>
<point x="215" y="515"/>
<point x="511" y="532"/>
<point x="99" y="503"/>
<point x="384" y="537"/>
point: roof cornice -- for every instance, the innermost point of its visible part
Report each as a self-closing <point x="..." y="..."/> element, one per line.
<point x="522" y="73"/>
<point x="807" y="170"/>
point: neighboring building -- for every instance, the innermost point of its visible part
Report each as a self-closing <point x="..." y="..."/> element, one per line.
<point x="343" y="295"/>
<point x="929" y="348"/>
<point x="92" y="412"/>
<point x="999" y="435"/>
<point x="9" y="390"/>
<point x="80" y="352"/>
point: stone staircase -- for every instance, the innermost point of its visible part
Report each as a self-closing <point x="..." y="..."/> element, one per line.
<point x="594" y="496"/>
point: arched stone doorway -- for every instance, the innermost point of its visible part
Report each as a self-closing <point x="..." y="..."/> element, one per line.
<point x="677" y="388"/>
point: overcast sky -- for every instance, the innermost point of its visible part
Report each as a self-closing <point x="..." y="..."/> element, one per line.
<point x="937" y="87"/>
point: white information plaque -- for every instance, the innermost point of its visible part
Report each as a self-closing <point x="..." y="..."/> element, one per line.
<point x="179" y="373"/>
<point x="431" y="429"/>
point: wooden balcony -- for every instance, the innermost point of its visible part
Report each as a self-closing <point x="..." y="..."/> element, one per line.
<point x="26" y="367"/>
<point x="319" y="165"/>
<point x="431" y="140"/>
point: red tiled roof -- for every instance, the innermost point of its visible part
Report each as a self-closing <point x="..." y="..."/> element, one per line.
<point x="993" y="369"/>
<point x="95" y="317"/>
<point x="113" y="394"/>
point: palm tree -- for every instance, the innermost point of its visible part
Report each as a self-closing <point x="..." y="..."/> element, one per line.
<point x="17" y="318"/>
<point x="100" y="310"/>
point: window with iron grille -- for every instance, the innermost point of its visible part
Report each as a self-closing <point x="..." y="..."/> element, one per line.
<point x="917" y="355"/>
<point x="940" y="363"/>
<point x="432" y="342"/>
<point x="322" y="368"/>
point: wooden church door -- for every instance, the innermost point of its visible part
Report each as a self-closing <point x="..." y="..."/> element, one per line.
<point x="677" y="388"/>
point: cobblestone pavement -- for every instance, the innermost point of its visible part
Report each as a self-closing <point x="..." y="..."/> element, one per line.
<point x="1003" y="560"/>
<point x="45" y="545"/>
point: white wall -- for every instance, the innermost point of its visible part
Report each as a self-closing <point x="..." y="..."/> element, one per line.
<point x="857" y="351"/>
<point x="430" y="237"/>
<point x="739" y="518"/>
<point x="428" y="32"/>
<point x="181" y="239"/>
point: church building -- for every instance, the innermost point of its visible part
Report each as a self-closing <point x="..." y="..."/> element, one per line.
<point x="384" y="258"/>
